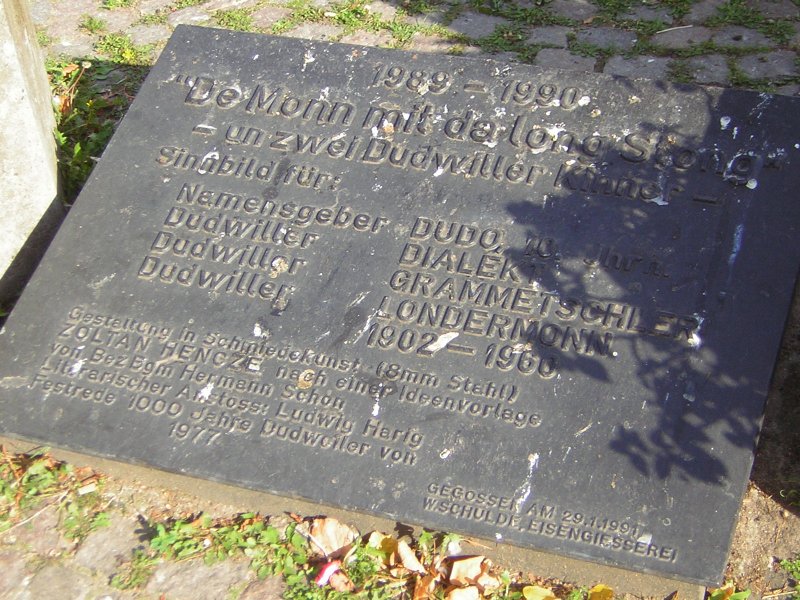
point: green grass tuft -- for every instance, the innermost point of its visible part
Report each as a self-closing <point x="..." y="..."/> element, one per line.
<point x="237" y="19"/>
<point x="92" y="24"/>
<point x="112" y="4"/>
<point x="119" y="47"/>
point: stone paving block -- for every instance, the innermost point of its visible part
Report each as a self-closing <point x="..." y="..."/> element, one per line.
<point x="149" y="7"/>
<point x="41" y="535"/>
<point x="793" y="89"/>
<point x="506" y="57"/>
<point x="550" y="35"/>
<point x="185" y="580"/>
<point x="192" y="15"/>
<point x="552" y="58"/>
<point x="649" y="13"/>
<point x="64" y="27"/>
<point x="267" y="589"/>
<point x="437" y="45"/>
<point x="40" y="12"/>
<point x="741" y="37"/>
<point x="315" y="31"/>
<point x="475" y="25"/>
<point x="142" y="35"/>
<point x="580" y="10"/>
<point x="203" y="13"/>
<point x="384" y="10"/>
<point x="774" y="65"/>
<point x="118" y="19"/>
<point x="710" y="69"/>
<point x="266" y="17"/>
<point x="775" y="9"/>
<point x="76" y="46"/>
<point x="703" y="10"/>
<point x="215" y="5"/>
<point x="14" y="572"/>
<point x="57" y="581"/>
<point x="381" y="39"/>
<point x="681" y="37"/>
<point x="607" y="38"/>
<point x="106" y="549"/>
<point x="639" y="67"/>
<point x="428" y="19"/>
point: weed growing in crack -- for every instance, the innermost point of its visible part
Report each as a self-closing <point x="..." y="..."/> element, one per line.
<point x="738" y="12"/>
<point x="112" y="4"/>
<point x="119" y="47"/>
<point x="302" y="12"/>
<point x="89" y="100"/>
<point x="680" y="71"/>
<point x="136" y="573"/>
<point x="43" y="38"/>
<point x="792" y="568"/>
<point x="28" y="480"/>
<point x="354" y="15"/>
<point x="156" y="18"/>
<point x="503" y="39"/>
<point x="613" y="8"/>
<point x="180" y="4"/>
<point x="92" y="24"/>
<point x="271" y="551"/>
<point x="237" y="19"/>
<point x="678" y="8"/>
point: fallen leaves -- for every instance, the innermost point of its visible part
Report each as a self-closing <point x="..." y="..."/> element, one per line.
<point x="408" y="558"/>
<point x="473" y="571"/>
<point x="601" y="592"/>
<point x="468" y="593"/>
<point x="331" y="537"/>
<point x="727" y="592"/>
<point x="537" y="592"/>
<point x="430" y="572"/>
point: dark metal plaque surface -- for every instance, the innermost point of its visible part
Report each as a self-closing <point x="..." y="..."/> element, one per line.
<point x="533" y="306"/>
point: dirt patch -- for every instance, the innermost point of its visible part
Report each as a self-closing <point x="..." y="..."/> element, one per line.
<point x="768" y="529"/>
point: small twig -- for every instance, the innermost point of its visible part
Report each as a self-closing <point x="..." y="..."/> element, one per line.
<point x="779" y="594"/>
<point x="37" y="513"/>
<point x="673" y="29"/>
<point x="311" y="538"/>
<point x="299" y="520"/>
<point x="475" y="543"/>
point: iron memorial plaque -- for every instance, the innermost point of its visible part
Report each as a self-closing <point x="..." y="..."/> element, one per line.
<point x="533" y="306"/>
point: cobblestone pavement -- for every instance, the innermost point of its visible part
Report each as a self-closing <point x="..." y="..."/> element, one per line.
<point x="739" y="43"/>
<point x="37" y="561"/>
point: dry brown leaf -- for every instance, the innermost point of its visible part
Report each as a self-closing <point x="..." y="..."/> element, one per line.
<point x="424" y="587"/>
<point x="487" y="581"/>
<point x="386" y="544"/>
<point x="466" y="569"/>
<point x="467" y="593"/>
<point x="408" y="558"/>
<point x="332" y="537"/>
<point x="601" y="592"/>
<point x="341" y="582"/>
